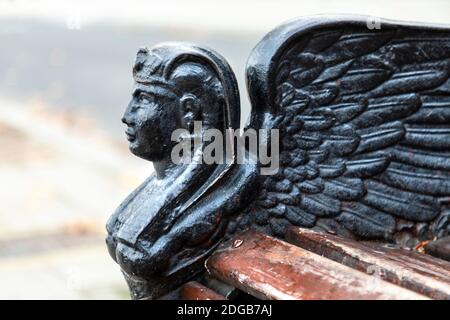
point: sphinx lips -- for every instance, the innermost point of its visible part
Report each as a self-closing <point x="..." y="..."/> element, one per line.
<point x="131" y="136"/>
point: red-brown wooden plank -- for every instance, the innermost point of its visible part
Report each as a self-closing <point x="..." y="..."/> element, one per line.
<point x="412" y="270"/>
<point x="196" y="291"/>
<point x="269" y="268"/>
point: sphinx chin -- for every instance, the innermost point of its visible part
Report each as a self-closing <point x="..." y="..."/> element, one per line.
<point x="140" y="151"/>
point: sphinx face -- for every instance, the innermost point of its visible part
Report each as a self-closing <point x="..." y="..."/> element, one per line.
<point x="151" y="117"/>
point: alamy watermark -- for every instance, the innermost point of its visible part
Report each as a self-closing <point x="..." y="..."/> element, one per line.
<point x="237" y="146"/>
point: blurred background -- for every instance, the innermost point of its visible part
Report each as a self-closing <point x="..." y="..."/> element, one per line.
<point x="65" y="79"/>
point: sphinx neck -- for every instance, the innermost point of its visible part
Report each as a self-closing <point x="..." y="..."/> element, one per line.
<point x="164" y="168"/>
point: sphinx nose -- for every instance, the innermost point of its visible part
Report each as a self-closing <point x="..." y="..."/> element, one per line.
<point x="127" y="117"/>
<point x="128" y="120"/>
<point x="125" y="120"/>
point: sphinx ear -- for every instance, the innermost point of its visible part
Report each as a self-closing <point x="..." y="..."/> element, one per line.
<point x="190" y="110"/>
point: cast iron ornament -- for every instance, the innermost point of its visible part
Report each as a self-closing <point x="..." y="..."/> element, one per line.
<point x="364" y="120"/>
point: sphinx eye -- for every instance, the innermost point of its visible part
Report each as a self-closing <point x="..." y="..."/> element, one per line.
<point x="145" y="98"/>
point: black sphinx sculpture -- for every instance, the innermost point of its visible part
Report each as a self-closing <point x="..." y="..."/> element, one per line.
<point x="364" y="122"/>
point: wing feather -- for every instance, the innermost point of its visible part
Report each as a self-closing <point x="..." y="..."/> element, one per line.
<point x="367" y="222"/>
<point x="404" y="204"/>
<point x="382" y="110"/>
<point x="380" y="138"/>
<point x="422" y="158"/>
<point x="434" y="110"/>
<point x="428" y="137"/>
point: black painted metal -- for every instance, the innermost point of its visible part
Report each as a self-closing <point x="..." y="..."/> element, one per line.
<point x="364" y="120"/>
<point x="162" y="233"/>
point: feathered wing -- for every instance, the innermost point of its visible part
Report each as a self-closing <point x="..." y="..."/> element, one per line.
<point x="364" y="119"/>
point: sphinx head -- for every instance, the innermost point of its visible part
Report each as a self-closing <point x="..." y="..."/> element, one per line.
<point x="174" y="86"/>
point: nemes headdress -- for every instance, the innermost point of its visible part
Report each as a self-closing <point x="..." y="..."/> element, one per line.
<point x="154" y="67"/>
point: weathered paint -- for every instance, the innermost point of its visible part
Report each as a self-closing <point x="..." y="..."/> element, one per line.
<point x="269" y="268"/>
<point x="409" y="269"/>
<point x="196" y="291"/>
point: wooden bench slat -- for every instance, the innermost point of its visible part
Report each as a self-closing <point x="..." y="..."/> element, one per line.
<point x="412" y="270"/>
<point x="196" y="291"/>
<point x="268" y="268"/>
